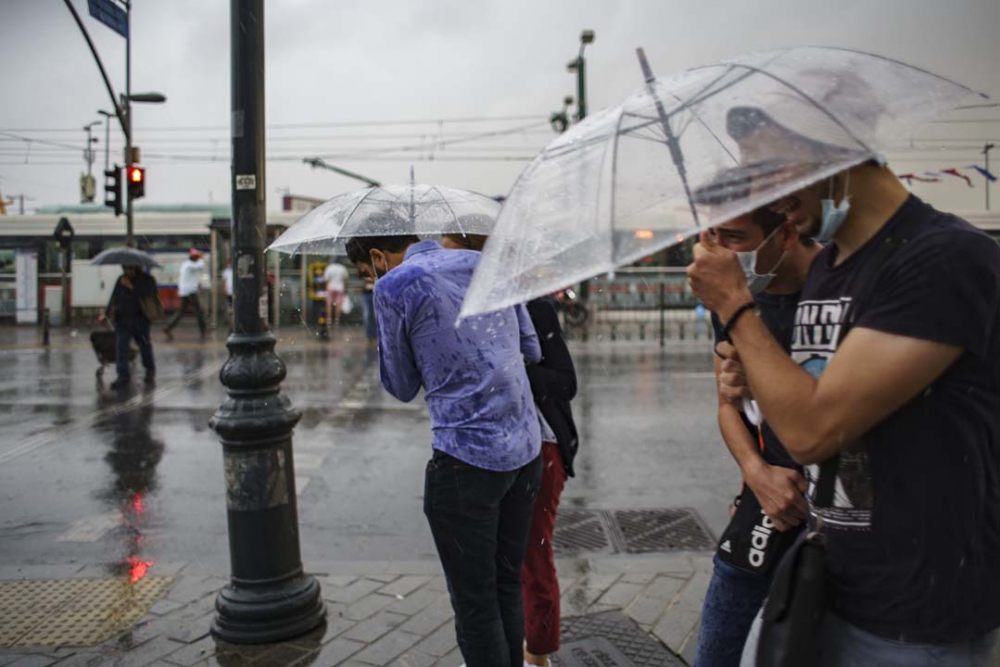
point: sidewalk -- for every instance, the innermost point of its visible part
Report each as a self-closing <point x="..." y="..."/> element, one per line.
<point x="378" y="613"/>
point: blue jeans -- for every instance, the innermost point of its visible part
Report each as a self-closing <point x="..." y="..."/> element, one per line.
<point x="368" y="314"/>
<point x="733" y="598"/>
<point x="137" y="329"/>
<point x="480" y="520"/>
<point x="844" y="645"/>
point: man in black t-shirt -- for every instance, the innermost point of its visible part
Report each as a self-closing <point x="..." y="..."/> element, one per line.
<point x="776" y="260"/>
<point x="910" y="400"/>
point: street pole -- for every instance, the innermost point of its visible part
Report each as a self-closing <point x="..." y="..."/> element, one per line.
<point x="107" y="136"/>
<point x="580" y="65"/>
<point x="127" y="103"/>
<point x="269" y="598"/>
<point x="986" y="154"/>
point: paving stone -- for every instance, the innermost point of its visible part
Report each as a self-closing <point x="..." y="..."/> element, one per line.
<point x="165" y="606"/>
<point x="404" y="585"/>
<point x="646" y="610"/>
<point x="192" y="653"/>
<point x="336" y="625"/>
<point x="383" y="577"/>
<point x="388" y="647"/>
<point x="367" y="606"/>
<point x="352" y="593"/>
<point x="428" y="568"/>
<point x="338" y="580"/>
<point x="7" y="658"/>
<point x="376" y="626"/>
<point x="431" y="618"/>
<point x="414" y="602"/>
<point x="620" y="594"/>
<point x="665" y="588"/>
<point x="692" y="595"/>
<point x="33" y="660"/>
<point x="453" y="659"/>
<point x="414" y="658"/>
<point x="192" y="589"/>
<point x="638" y="577"/>
<point x="438" y="584"/>
<point x="282" y="655"/>
<point x="146" y="653"/>
<point x="440" y="642"/>
<point x="578" y="599"/>
<point x="674" y="627"/>
<point x="336" y="652"/>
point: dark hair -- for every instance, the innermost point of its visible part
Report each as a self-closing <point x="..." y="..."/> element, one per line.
<point x="468" y="241"/>
<point x="359" y="247"/>
<point x="767" y="219"/>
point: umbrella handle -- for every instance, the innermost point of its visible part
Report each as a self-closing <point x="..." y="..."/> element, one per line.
<point x="752" y="411"/>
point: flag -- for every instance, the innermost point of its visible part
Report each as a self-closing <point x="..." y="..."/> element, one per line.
<point x="956" y="173"/>
<point x="909" y="178"/>
<point x="987" y="175"/>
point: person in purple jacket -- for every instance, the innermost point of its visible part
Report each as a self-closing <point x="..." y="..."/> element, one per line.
<point x="481" y="482"/>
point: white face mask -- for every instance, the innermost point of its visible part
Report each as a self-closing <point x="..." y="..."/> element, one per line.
<point x="758" y="282"/>
<point x="833" y="215"/>
<point x="385" y="264"/>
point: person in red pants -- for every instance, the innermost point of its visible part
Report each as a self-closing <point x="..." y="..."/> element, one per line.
<point x="553" y="384"/>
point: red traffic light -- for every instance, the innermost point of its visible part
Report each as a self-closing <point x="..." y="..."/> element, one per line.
<point x="136" y="180"/>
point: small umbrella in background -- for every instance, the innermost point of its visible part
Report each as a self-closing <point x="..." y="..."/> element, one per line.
<point x="388" y="210"/>
<point x="692" y="150"/>
<point x="125" y="257"/>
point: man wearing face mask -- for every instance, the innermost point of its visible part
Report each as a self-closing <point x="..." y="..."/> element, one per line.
<point x="481" y="483"/>
<point x="775" y="261"/>
<point x="903" y="409"/>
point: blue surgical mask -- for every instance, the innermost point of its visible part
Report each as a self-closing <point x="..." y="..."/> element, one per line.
<point x="833" y="216"/>
<point x="758" y="282"/>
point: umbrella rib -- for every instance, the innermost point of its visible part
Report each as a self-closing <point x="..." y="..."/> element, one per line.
<point x="900" y="62"/>
<point x="351" y="214"/>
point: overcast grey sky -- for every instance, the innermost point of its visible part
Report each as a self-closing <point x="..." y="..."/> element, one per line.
<point x="404" y="60"/>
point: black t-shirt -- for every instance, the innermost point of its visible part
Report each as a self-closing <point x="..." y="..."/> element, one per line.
<point x="914" y="534"/>
<point x="126" y="302"/>
<point x="778" y="313"/>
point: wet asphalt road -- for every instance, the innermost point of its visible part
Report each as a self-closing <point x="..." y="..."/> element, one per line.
<point x="92" y="476"/>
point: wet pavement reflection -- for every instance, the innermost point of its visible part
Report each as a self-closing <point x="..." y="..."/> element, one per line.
<point x="128" y="480"/>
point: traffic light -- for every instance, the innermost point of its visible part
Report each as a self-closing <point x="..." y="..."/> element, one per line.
<point x="113" y="189"/>
<point x="136" y="182"/>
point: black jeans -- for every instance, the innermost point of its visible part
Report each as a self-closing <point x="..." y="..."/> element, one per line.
<point x="137" y="329"/>
<point x="193" y="301"/>
<point x="480" y="521"/>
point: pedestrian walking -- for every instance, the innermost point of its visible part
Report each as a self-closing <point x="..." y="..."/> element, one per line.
<point x="482" y="480"/>
<point x="772" y="500"/>
<point x="188" y="284"/>
<point x="335" y="279"/>
<point x="889" y="399"/>
<point x="134" y="305"/>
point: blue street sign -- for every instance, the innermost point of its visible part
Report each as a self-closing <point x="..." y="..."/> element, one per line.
<point x="110" y="14"/>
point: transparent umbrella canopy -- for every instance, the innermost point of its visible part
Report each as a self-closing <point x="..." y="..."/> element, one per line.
<point x="125" y="257"/>
<point x="688" y="151"/>
<point x="388" y="210"/>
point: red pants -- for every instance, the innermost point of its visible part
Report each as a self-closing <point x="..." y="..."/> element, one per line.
<point x="539" y="585"/>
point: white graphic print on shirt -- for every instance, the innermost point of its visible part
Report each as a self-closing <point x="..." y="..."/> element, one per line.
<point x="814" y="341"/>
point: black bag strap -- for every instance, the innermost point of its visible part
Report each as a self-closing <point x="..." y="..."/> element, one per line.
<point x="861" y="284"/>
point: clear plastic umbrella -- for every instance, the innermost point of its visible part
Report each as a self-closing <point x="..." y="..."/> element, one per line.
<point x="689" y="151"/>
<point x="125" y="257"/>
<point x="388" y="210"/>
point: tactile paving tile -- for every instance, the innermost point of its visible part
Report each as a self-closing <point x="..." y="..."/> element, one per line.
<point x="623" y="633"/>
<point x="73" y="612"/>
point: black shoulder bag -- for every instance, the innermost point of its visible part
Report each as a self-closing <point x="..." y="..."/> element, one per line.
<point x="797" y="599"/>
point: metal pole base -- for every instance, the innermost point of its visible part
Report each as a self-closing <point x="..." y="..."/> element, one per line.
<point x="264" y="614"/>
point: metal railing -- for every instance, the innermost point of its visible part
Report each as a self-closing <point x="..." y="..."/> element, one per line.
<point x="642" y="304"/>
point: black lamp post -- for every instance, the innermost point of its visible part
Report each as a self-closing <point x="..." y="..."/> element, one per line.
<point x="269" y="598"/>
